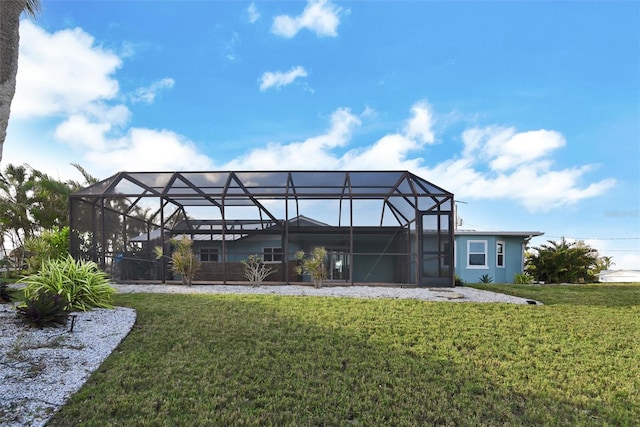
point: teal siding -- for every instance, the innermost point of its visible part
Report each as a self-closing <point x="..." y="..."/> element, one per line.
<point x="513" y="258"/>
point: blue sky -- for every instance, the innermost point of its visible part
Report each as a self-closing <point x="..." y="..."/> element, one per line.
<point x="528" y="111"/>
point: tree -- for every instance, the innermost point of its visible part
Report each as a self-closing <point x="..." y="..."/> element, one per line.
<point x="565" y="262"/>
<point x="50" y="207"/>
<point x="30" y="202"/>
<point x="10" y="11"/>
<point x="16" y="199"/>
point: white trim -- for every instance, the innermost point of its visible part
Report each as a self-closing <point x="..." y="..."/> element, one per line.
<point x="485" y="266"/>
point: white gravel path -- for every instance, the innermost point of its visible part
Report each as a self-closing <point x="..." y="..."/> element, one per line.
<point x="458" y="294"/>
<point x="41" y="368"/>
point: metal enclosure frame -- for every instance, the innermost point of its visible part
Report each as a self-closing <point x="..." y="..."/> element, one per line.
<point x="113" y="216"/>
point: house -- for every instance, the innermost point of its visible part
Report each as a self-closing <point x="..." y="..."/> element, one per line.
<point x="390" y="227"/>
<point x="619" y="276"/>
<point x="498" y="255"/>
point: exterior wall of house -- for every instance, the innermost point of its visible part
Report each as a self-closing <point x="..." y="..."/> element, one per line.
<point x="375" y="257"/>
<point x="499" y="257"/>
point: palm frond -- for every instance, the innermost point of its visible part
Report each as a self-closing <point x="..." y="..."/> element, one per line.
<point x="33" y="7"/>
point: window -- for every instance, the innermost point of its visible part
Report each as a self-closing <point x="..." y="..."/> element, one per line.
<point x="272" y="254"/>
<point x="477" y="254"/>
<point x="500" y="254"/>
<point x="209" y="254"/>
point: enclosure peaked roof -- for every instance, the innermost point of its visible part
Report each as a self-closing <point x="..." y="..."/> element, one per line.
<point x="215" y="185"/>
<point x="402" y="192"/>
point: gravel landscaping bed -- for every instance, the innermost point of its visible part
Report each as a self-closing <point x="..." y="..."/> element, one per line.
<point x="41" y="368"/>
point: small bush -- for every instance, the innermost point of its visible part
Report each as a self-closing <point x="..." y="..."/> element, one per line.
<point x="459" y="281"/>
<point x="5" y="294"/>
<point x="183" y="261"/>
<point x="82" y="283"/>
<point x="313" y="265"/>
<point x="485" y="278"/>
<point x="255" y="270"/>
<point x="522" y="279"/>
<point x="45" y="309"/>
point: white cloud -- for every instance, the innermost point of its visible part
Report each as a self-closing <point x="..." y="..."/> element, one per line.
<point x="493" y="164"/>
<point x="149" y="150"/>
<point x="508" y="149"/>
<point x="148" y="94"/>
<point x="79" y="132"/>
<point x="500" y="163"/>
<point x="253" y="13"/>
<point x="61" y="73"/>
<point x="65" y="74"/>
<point x="320" y="16"/>
<point x="312" y="153"/>
<point x="420" y="126"/>
<point x="279" y="79"/>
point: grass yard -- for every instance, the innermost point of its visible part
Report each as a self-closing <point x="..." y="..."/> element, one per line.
<point x="610" y="295"/>
<point x="280" y="360"/>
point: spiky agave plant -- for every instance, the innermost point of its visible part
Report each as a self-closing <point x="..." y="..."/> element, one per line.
<point x="45" y="309"/>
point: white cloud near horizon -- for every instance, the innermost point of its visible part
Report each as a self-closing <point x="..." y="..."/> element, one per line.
<point x="501" y="163"/>
<point x="298" y="155"/>
<point x="279" y="79"/>
<point x="150" y="150"/>
<point x="319" y="16"/>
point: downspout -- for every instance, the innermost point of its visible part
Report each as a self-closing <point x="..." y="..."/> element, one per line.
<point x="73" y="242"/>
<point x="104" y="238"/>
<point x="163" y="261"/>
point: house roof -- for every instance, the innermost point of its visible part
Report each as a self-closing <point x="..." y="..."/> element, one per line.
<point x="498" y="233"/>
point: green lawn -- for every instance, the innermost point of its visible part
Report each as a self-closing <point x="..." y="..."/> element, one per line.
<point x="276" y="360"/>
<point x="604" y="294"/>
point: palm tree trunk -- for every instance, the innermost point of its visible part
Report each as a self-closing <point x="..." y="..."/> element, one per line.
<point x="10" y="11"/>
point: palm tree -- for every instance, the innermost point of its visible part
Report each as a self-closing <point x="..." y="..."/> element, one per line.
<point x="10" y="11"/>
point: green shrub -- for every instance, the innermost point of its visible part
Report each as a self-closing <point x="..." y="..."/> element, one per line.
<point x="459" y="281"/>
<point x="5" y="294"/>
<point x="313" y="265"/>
<point x="522" y="279"/>
<point x="45" y="309"/>
<point x="183" y="261"/>
<point x="49" y="245"/>
<point x="82" y="283"/>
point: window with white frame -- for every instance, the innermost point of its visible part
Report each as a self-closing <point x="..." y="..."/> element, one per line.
<point x="477" y="254"/>
<point x="208" y="254"/>
<point x="272" y="254"/>
<point x="500" y="254"/>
